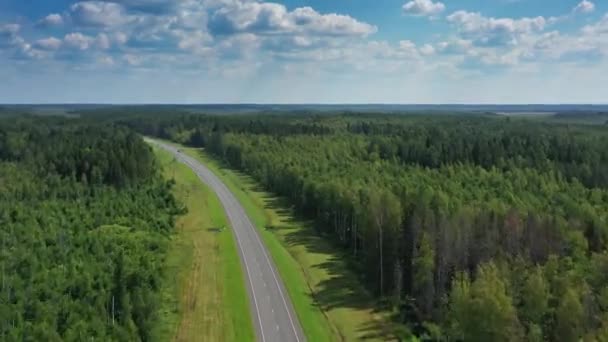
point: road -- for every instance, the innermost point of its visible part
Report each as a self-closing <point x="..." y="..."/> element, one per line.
<point x="272" y="312"/>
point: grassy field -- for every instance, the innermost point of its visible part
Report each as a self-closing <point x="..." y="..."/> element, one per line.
<point x="205" y="297"/>
<point x="330" y="301"/>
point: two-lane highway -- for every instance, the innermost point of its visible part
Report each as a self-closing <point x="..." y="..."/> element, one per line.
<point x="272" y="312"/>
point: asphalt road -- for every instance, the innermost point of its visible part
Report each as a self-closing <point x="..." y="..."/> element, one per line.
<point x="271" y="310"/>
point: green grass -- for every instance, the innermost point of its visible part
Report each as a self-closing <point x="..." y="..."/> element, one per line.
<point x="330" y="301"/>
<point x="204" y="298"/>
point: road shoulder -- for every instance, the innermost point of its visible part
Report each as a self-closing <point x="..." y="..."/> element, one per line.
<point x="204" y="298"/>
<point x="330" y="301"/>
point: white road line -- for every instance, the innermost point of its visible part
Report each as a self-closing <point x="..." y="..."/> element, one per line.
<point x="277" y="283"/>
<point x="238" y="240"/>
<point x="228" y="199"/>
<point x="255" y="301"/>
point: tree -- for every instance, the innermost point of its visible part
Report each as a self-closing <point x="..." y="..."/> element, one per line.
<point x="460" y="296"/>
<point x="569" y="318"/>
<point x="423" y="266"/>
<point x="385" y="212"/>
<point x="471" y="191"/>
<point x="535" y="298"/>
<point x="485" y="312"/>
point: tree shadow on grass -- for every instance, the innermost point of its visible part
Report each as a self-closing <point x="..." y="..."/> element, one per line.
<point x="378" y="330"/>
<point x="343" y="289"/>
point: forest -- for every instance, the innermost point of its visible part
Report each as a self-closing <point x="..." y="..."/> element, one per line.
<point x="84" y="222"/>
<point x="471" y="228"/>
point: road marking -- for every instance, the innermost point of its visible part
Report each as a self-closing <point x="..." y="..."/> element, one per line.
<point x="276" y="282"/>
<point x="255" y="301"/>
<point x="188" y="162"/>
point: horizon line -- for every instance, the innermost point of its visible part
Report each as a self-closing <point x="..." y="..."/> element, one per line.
<point x="293" y="104"/>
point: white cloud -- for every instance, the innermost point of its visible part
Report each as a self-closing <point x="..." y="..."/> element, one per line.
<point x="50" y="43"/>
<point x="103" y="41"/>
<point x="52" y="19"/>
<point x="329" y="24"/>
<point x="24" y="50"/>
<point x="105" y="60"/>
<point x="427" y="50"/>
<point x="197" y="42"/>
<point x="494" y="31"/>
<point x="272" y="18"/>
<point x="456" y="46"/>
<point x="9" y="29"/>
<point x="584" y="6"/>
<point x="78" y="41"/>
<point x="210" y="34"/>
<point x="239" y="46"/>
<point x="599" y="28"/>
<point x="132" y="60"/>
<point x="150" y="6"/>
<point x="97" y="13"/>
<point x="423" y="8"/>
<point x="120" y="38"/>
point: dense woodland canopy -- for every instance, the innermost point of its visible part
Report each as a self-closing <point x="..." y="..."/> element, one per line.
<point x="473" y="228"/>
<point x="84" y="220"/>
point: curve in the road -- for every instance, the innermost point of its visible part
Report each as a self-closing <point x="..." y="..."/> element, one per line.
<point x="271" y="308"/>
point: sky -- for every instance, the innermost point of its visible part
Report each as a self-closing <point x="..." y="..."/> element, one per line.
<point x="304" y="51"/>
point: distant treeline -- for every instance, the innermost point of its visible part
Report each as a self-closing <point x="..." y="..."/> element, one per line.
<point x="84" y="221"/>
<point x="473" y="228"/>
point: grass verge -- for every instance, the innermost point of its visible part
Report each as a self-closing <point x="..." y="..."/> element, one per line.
<point x="330" y="301"/>
<point x="204" y="298"/>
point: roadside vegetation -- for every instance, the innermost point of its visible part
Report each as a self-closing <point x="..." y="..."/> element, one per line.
<point x="475" y="228"/>
<point x="204" y="297"/>
<point x="430" y="227"/>
<point x="308" y="265"/>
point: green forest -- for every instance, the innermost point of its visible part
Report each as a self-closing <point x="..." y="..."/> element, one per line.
<point x="467" y="227"/>
<point x="471" y="228"/>
<point x="84" y="221"/>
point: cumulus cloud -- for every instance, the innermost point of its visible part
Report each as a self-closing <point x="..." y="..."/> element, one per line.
<point x="103" y="41"/>
<point x="423" y="8"/>
<point x="82" y="42"/>
<point x="52" y="19"/>
<point x="239" y="46"/>
<point x="98" y="13"/>
<point x="150" y="6"/>
<point x="599" y="28"/>
<point x="20" y="48"/>
<point x="494" y="31"/>
<point x="197" y="42"/>
<point x="584" y="6"/>
<point x="132" y="59"/>
<point x="9" y="30"/>
<point x="456" y="46"/>
<point x="120" y="38"/>
<point x="427" y="50"/>
<point x="272" y="18"/>
<point x="78" y="41"/>
<point x="9" y="35"/>
<point x="215" y="32"/>
<point x="50" y="44"/>
<point x="105" y="60"/>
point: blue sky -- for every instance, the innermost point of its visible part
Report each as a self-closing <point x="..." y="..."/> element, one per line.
<point x="303" y="51"/>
